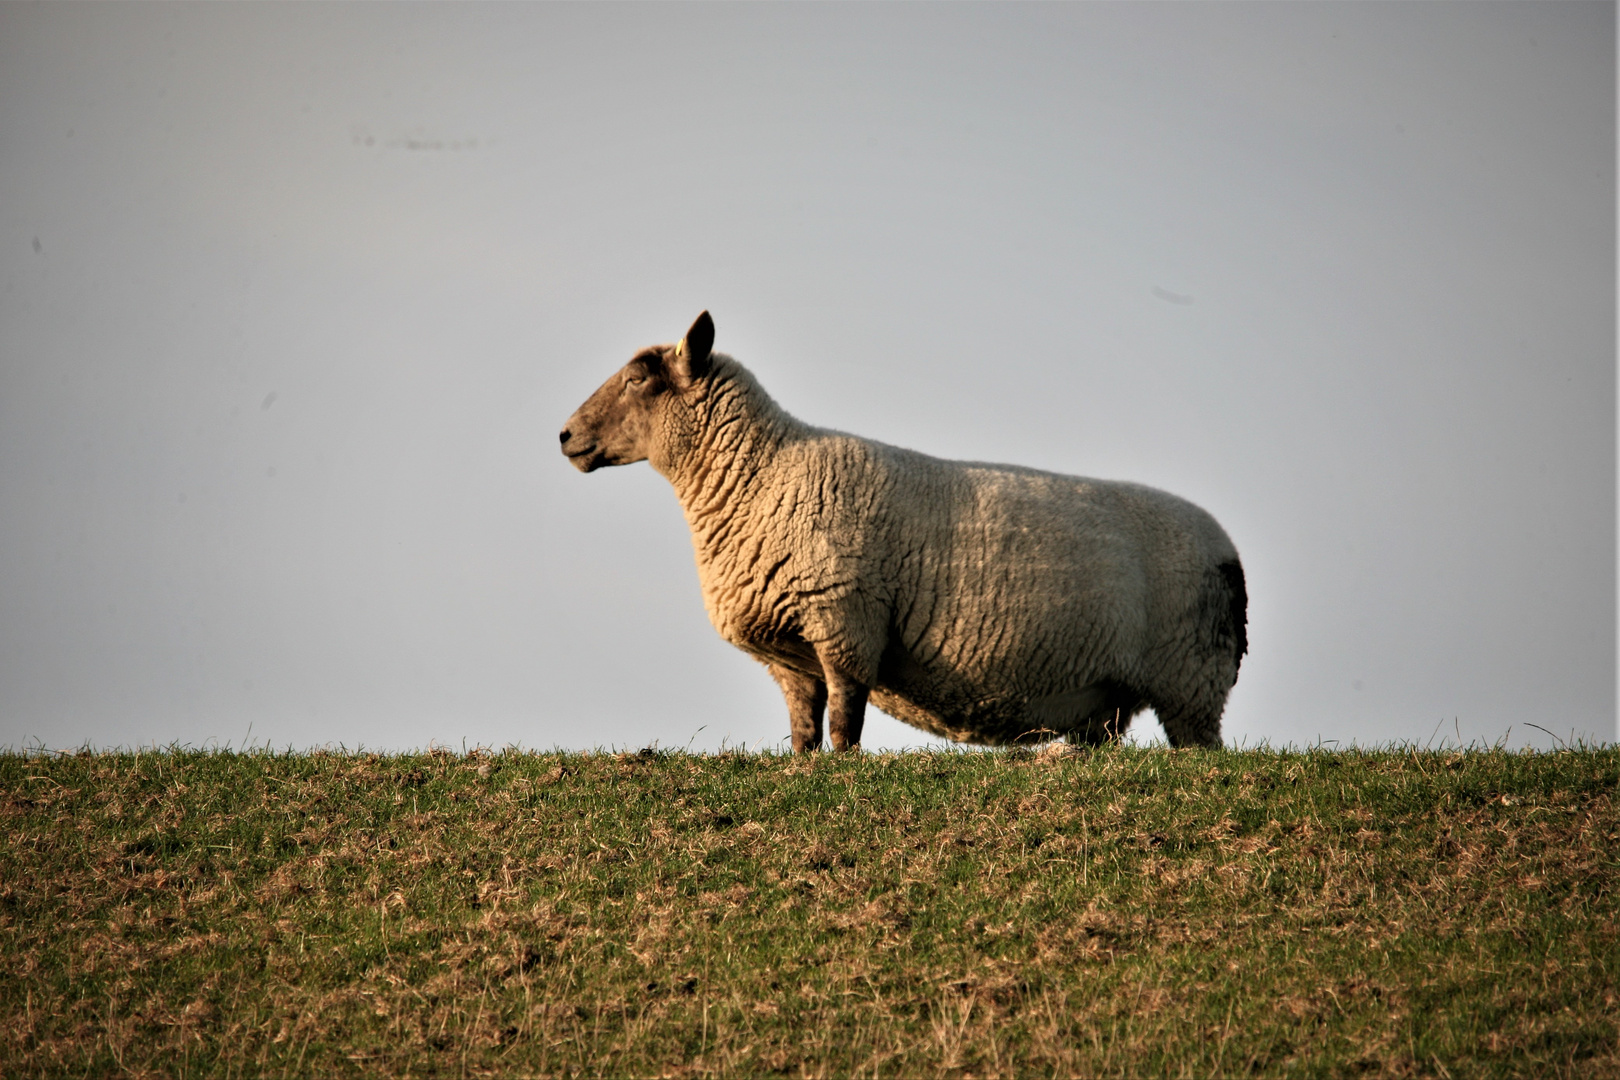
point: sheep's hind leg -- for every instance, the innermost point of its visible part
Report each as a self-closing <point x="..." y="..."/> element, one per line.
<point x="1191" y="729"/>
<point x="806" y="699"/>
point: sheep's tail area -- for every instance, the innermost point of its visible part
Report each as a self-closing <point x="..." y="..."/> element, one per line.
<point x="1236" y="620"/>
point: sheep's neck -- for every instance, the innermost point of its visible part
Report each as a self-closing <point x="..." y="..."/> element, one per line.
<point x="741" y="431"/>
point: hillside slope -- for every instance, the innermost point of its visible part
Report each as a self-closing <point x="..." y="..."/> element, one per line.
<point x="1112" y="912"/>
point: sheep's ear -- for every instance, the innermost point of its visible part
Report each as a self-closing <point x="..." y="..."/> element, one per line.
<point x="692" y="355"/>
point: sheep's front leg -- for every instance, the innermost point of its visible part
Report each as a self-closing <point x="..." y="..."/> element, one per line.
<point x="846" y="708"/>
<point x="806" y="698"/>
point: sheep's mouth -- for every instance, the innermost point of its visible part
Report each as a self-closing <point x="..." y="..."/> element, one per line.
<point x="587" y="460"/>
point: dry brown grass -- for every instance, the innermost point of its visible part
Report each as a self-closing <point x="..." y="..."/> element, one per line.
<point x="1116" y="912"/>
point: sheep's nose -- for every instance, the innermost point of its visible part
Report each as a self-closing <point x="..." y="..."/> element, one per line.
<point x="565" y="435"/>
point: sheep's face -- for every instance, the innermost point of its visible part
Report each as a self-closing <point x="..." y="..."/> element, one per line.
<point x="621" y="422"/>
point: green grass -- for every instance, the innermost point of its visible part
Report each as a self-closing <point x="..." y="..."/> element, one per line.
<point x="1113" y="912"/>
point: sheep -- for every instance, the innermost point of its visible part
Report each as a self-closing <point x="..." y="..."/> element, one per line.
<point x="990" y="604"/>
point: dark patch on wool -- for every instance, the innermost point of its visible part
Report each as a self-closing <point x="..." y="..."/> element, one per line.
<point x="1238" y="612"/>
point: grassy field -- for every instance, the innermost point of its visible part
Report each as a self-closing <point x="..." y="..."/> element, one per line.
<point x="1110" y="912"/>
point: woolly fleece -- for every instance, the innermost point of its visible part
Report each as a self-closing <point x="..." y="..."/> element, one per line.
<point x="985" y="603"/>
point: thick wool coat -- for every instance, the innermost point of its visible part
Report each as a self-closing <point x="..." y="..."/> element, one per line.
<point x="984" y="603"/>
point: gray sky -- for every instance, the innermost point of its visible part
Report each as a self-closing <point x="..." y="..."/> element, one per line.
<point x="295" y="299"/>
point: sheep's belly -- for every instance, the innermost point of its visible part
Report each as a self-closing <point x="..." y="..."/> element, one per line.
<point x="1085" y="712"/>
<point x="960" y="710"/>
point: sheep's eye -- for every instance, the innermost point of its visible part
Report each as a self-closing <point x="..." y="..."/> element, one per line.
<point x="635" y="378"/>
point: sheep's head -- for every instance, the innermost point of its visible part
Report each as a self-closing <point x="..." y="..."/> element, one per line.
<point x="621" y="422"/>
